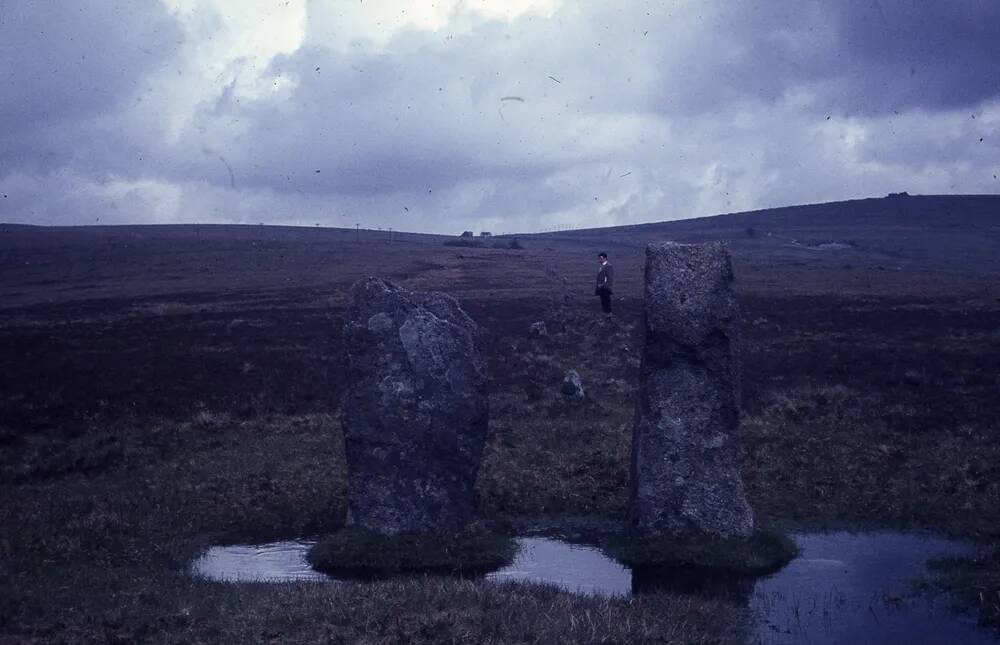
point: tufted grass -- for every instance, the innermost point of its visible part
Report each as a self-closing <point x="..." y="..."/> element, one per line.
<point x="762" y="553"/>
<point x="354" y="552"/>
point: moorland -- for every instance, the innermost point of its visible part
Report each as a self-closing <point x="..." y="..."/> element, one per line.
<point x="164" y="388"/>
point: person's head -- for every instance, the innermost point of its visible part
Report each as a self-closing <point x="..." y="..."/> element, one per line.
<point x="602" y="257"/>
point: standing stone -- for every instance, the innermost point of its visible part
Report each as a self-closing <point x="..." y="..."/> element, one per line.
<point x="572" y="385"/>
<point x="538" y="329"/>
<point x="685" y="464"/>
<point x="416" y="411"/>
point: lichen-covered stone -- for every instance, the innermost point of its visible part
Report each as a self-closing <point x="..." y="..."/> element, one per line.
<point x="572" y="385"/>
<point x="416" y="411"/>
<point x="685" y="464"/>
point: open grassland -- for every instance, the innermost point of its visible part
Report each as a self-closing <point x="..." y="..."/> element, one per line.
<point x="143" y="418"/>
<point x="173" y="608"/>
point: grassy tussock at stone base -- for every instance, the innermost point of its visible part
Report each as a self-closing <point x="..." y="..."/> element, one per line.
<point x="764" y="552"/>
<point x="359" y="553"/>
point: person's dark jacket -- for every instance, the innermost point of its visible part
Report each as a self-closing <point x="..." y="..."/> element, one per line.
<point x="605" y="279"/>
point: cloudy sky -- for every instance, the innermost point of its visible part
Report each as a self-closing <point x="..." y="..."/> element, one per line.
<point x="512" y="115"/>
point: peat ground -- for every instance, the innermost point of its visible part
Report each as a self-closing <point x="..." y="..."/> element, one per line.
<point x="166" y="388"/>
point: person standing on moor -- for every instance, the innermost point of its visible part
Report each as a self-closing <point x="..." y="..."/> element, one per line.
<point x="605" y="281"/>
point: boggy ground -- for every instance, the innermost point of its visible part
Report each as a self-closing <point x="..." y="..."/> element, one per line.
<point x="142" y="419"/>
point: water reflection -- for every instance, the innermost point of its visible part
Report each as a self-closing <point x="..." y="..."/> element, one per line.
<point x="843" y="588"/>
<point x="692" y="580"/>
<point x="858" y="588"/>
<point x="575" y="568"/>
<point x="273" y="562"/>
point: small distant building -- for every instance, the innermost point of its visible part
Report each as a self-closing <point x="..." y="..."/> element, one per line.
<point x="468" y="234"/>
<point x="897" y="195"/>
<point x="486" y="234"/>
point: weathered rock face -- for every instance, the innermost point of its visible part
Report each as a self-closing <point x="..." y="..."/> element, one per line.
<point x="685" y="470"/>
<point x="416" y="412"/>
<point x="538" y="329"/>
<point x="572" y="385"/>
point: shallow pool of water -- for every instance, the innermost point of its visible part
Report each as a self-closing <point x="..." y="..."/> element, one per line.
<point x="576" y="568"/>
<point x="843" y="588"/>
<point x="272" y="562"/>
<point x="580" y="569"/>
<point x="858" y="588"/>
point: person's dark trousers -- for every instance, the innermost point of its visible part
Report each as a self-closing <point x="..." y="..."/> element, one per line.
<point x="606" y="301"/>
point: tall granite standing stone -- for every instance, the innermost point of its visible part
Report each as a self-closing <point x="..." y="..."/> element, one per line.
<point x="416" y="412"/>
<point x="685" y="469"/>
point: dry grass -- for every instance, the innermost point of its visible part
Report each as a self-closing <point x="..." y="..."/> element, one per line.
<point x="176" y="609"/>
<point x="171" y="487"/>
<point x="870" y="401"/>
<point x="549" y="454"/>
<point x="837" y="456"/>
<point x="99" y="556"/>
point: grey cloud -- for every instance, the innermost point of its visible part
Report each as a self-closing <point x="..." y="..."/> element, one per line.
<point x="66" y="67"/>
<point x="909" y="53"/>
<point x="67" y="60"/>
<point x="858" y="56"/>
<point x="630" y="113"/>
<point x="429" y="111"/>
